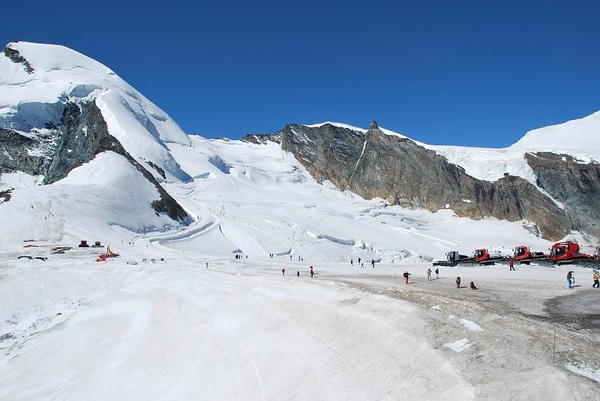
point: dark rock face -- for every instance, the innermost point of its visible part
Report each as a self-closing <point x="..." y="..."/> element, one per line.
<point x="576" y="185"/>
<point x="15" y="155"/>
<point x="374" y="164"/>
<point x="16" y="57"/>
<point x="81" y="135"/>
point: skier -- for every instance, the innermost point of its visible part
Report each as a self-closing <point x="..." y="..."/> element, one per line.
<point x="570" y="278"/>
<point x="437" y="272"/>
<point x="458" y="282"/>
<point x="428" y="274"/>
<point x="406" y="275"/>
<point x="373" y="263"/>
<point x="283" y="271"/>
<point x="312" y="272"/>
<point x="596" y="278"/>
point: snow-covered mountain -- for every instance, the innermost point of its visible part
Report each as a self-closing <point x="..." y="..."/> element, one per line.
<point x="252" y="198"/>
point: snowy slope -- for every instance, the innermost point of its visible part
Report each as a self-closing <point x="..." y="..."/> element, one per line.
<point x="106" y="199"/>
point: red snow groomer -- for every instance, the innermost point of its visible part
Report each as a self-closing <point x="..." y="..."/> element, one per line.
<point x="523" y="255"/>
<point x="483" y="257"/>
<point x="568" y="252"/>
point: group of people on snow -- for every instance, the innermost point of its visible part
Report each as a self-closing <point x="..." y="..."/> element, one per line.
<point x="311" y="271"/>
<point x="458" y="280"/>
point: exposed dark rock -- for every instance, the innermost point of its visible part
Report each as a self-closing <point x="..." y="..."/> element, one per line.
<point x="374" y="164"/>
<point x="16" y="57"/>
<point x="573" y="183"/>
<point x="157" y="168"/>
<point x="16" y="152"/>
<point x="5" y="195"/>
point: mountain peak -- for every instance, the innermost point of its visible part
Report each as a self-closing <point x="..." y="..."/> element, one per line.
<point x="38" y="81"/>
<point x="43" y="58"/>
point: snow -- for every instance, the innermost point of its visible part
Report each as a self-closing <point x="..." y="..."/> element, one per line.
<point x="459" y="345"/>
<point x="178" y="316"/>
<point x="341" y="125"/>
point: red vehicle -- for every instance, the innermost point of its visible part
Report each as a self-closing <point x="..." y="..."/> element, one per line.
<point x="483" y="257"/>
<point x="567" y="252"/>
<point x="523" y="255"/>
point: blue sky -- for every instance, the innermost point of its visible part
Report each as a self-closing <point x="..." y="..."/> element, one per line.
<point x="474" y="73"/>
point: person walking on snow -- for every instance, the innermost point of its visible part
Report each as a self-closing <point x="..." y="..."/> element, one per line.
<point x="428" y="274"/>
<point x="406" y="275"/>
<point x="283" y="271"/>
<point x="511" y="265"/>
<point x="570" y="278"/>
<point x="437" y="272"/>
<point x="596" y="278"/>
<point x="458" y="282"/>
<point x="312" y="272"/>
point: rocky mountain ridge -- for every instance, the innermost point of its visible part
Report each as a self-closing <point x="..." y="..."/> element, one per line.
<point x="397" y="169"/>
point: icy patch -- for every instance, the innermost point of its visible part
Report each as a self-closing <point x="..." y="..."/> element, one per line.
<point x="459" y="345"/>
<point x="585" y="371"/>
<point x="220" y="164"/>
<point x="471" y="326"/>
<point x="32" y="115"/>
<point x="336" y="240"/>
<point x="436" y="307"/>
<point x="84" y="90"/>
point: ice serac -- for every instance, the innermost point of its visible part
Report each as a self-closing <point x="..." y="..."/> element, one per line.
<point x="374" y="163"/>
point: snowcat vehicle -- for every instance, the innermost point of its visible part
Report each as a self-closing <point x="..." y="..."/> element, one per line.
<point x="523" y="255"/>
<point x="480" y="257"/>
<point x="453" y="258"/>
<point x="483" y="257"/>
<point x="568" y="252"/>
